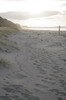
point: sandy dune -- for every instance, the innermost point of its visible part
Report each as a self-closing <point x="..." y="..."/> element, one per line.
<point x="34" y="66"/>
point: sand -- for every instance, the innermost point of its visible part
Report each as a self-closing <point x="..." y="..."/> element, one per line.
<point x="33" y="66"/>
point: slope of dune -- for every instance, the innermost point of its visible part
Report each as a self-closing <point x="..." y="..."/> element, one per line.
<point x="7" y="23"/>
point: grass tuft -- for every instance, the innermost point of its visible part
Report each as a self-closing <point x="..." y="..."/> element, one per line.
<point x="4" y="62"/>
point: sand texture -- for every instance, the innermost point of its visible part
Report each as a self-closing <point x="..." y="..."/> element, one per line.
<point x="33" y="66"/>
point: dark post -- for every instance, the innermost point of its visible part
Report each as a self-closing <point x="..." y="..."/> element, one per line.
<point x="59" y="29"/>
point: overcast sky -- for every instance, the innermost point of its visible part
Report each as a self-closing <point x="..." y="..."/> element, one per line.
<point x="34" y="12"/>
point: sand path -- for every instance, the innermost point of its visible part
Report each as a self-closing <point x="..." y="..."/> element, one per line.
<point x="38" y="68"/>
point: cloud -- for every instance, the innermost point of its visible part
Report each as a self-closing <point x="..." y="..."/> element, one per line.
<point x="16" y="15"/>
<point x="25" y="15"/>
<point x="63" y="5"/>
<point x="63" y="13"/>
<point x="49" y="13"/>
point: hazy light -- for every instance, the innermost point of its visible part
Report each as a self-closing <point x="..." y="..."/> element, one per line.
<point x="35" y="8"/>
<point x="30" y="6"/>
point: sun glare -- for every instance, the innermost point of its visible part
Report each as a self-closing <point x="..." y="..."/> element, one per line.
<point x="33" y="12"/>
<point x="38" y="6"/>
<point x="33" y="7"/>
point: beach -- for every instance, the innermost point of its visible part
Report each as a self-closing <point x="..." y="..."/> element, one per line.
<point x="33" y="65"/>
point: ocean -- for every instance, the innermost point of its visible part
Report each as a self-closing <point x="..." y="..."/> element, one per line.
<point x="46" y="28"/>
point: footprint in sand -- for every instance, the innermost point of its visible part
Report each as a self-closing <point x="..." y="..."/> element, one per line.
<point x="19" y="76"/>
<point x="18" y="91"/>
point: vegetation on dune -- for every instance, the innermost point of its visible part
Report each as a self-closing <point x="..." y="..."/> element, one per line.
<point x="9" y="24"/>
<point x="7" y="46"/>
<point x="15" y="47"/>
<point x="4" y="62"/>
<point x="5" y="43"/>
<point x="6" y="30"/>
<point x="8" y="27"/>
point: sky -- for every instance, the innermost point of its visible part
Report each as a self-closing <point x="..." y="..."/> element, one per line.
<point x="34" y="13"/>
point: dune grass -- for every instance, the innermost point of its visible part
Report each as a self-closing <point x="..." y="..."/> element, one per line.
<point x="4" y="62"/>
<point x="15" y="47"/>
<point x="4" y="31"/>
<point x="4" y="40"/>
<point x="9" y="45"/>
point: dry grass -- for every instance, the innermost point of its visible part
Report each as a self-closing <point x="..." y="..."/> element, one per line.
<point x="4" y="62"/>
<point x="4" y="31"/>
<point x="4" y="40"/>
<point x="7" y="29"/>
<point x="3" y="43"/>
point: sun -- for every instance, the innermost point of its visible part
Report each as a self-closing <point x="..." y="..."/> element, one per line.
<point x="36" y="10"/>
<point x="35" y="7"/>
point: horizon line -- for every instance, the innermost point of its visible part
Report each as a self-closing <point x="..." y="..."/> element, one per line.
<point x="45" y="27"/>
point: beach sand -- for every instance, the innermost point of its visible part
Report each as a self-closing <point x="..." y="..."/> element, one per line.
<point x="33" y="65"/>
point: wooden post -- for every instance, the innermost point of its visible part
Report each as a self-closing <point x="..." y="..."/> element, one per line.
<point x="59" y="29"/>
